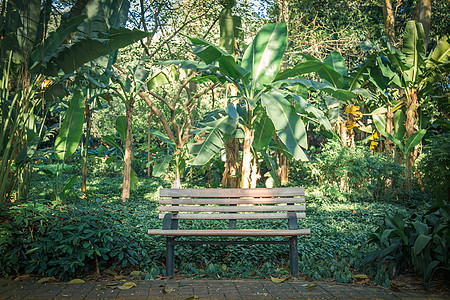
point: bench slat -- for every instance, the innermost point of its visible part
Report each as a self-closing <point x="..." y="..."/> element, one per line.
<point x="230" y="232"/>
<point x="232" y="192"/>
<point x="194" y="201"/>
<point x="232" y="216"/>
<point x="232" y="208"/>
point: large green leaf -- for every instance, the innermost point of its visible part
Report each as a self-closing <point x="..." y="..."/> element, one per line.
<point x="380" y="124"/>
<point x="264" y="55"/>
<point x="337" y="62"/>
<point x="110" y="140"/>
<point x="440" y="53"/>
<point x="340" y="94"/>
<point x="159" y="79"/>
<point x="414" y="140"/>
<point x="264" y="130"/>
<point x="413" y="48"/>
<point x="161" y="167"/>
<point x="399" y="124"/>
<point x="318" y="114"/>
<point x="43" y="53"/>
<point x="421" y="242"/>
<point x="210" y="53"/>
<point x="134" y="180"/>
<point x="325" y="71"/>
<point x="121" y="127"/>
<point x="214" y="139"/>
<point x="288" y="124"/>
<point x="74" y="55"/>
<point x="69" y="136"/>
<point x="162" y="137"/>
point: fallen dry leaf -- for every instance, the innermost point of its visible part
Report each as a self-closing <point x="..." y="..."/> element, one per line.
<point x="46" y="279"/>
<point x="127" y="285"/>
<point x="77" y="281"/>
<point x="278" y="280"/>
<point x="166" y="291"/>
<point x="136" y="273"/>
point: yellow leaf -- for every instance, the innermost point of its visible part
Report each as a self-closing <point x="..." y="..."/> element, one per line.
<point x="136" y="273"/>
<point x="46" y="279"/>
<point x="312" y="287"/>
<point x="224" y="267"/>
<point x="278" y="280"/>
<point x="127" y="285"/>
<point x="361" y="276"/>
<point x="76" y="281"/>
<point x="167" y="291"/>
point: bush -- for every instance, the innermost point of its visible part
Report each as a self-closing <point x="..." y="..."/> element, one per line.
<point x="351" y="173"/>
<point x="418" y="241"/>
<point x="64" y="240"/>
<point x="435" y="166"/>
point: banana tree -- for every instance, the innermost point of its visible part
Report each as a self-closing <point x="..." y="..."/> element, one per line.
<point x="405" y="78"/>
<point x="266" y="99"/>
<point x="92" y="30"/>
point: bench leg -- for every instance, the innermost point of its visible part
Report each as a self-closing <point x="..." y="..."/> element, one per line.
<point x="293" y="256"/>
<point x="170" y="245"/>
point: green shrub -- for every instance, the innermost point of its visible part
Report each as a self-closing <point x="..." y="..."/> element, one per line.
<point x="351" y="173"/>
<point x="435" y="166"/>
<point x="418" y="241"/>
<point x="65" y="240"/>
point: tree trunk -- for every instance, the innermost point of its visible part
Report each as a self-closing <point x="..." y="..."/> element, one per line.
<point x="343" y="133"/>
<point x="230" y="176"/>
<point x="389" y="20"/>
<point x="247" y="157"/>
<point x="84" y="171"/>
<point x="255" y="176"/>
<point x="388" y="144"/>
<point x="127" y="157"/>
<point x="283" y="168"/>
<point x="411" y="117"/>
<point x="149" y="174"/>
<point x="423" y="15"/>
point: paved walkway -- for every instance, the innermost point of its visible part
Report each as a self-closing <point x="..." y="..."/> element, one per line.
<point x="199" y="289"/>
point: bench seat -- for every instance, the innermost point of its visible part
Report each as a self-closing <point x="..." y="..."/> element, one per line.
<point x="230" y="232"/>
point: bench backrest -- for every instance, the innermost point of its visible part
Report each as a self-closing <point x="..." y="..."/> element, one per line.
<point x="232" y="203"/>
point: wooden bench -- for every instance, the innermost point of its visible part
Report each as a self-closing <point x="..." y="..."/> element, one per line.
<point x="231" y="204"/>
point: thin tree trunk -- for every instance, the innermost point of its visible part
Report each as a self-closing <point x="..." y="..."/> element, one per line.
<point x="87" y="115"/>
<point x="230" y="175"/>
<point x="389" y="145"/>
<point x="255" y="176"/>
<point x="389" y="20"/>
<point x="343" y="133"/>
<point x="422" y="14"/>
<point x="247" y="157"/>
<point x="148" y="144"/>
<point x="127" y="157"/>
<point x="411" y="117"/>
<point x="283" y="168"/>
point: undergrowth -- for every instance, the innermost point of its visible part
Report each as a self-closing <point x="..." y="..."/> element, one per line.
<point x="97" y="233"/>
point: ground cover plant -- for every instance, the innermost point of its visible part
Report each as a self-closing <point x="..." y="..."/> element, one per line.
<point x="95" y="234"/>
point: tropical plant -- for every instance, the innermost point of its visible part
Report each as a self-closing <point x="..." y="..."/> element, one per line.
<point x="405" y="78"/>
<point x="37" y="52"/>
<point x="418" y="241"/>
<point x="265" y="99"/>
